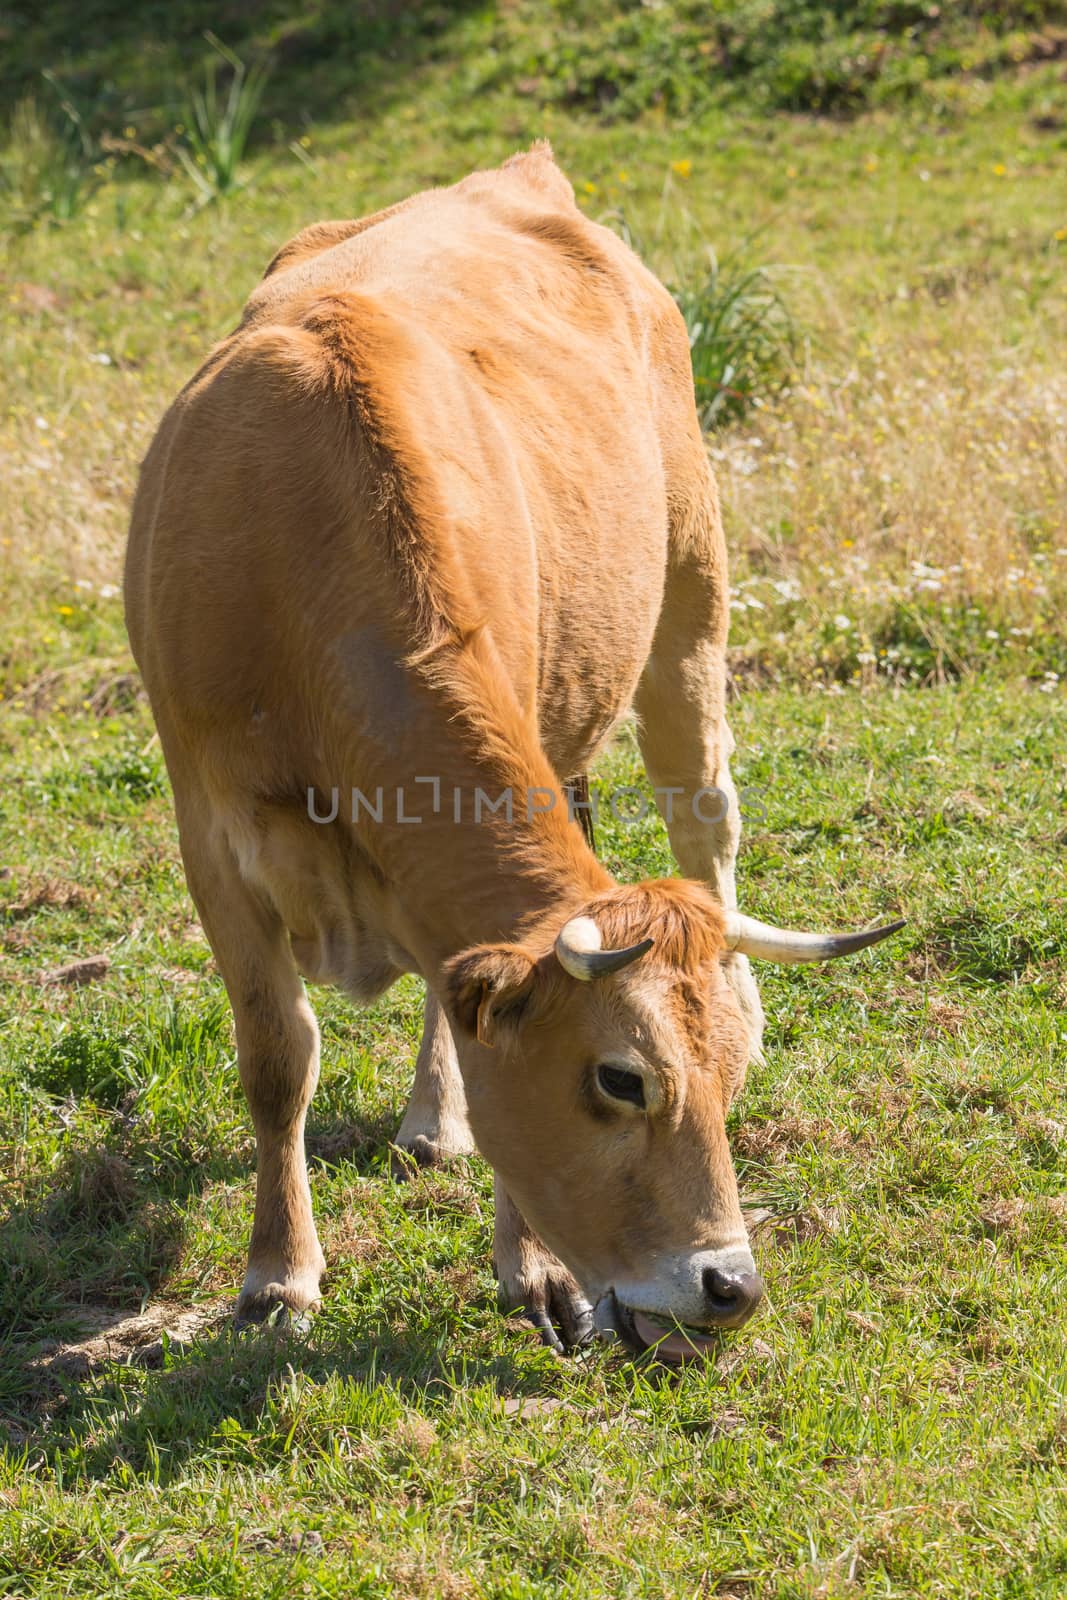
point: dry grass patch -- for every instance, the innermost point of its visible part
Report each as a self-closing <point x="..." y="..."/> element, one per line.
<point x="905" y="516"/>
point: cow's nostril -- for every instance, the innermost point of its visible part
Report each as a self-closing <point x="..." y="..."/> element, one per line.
<point x="731" y="1296"/>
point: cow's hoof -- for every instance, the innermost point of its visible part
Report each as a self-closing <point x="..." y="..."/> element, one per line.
<point x="410" y="1157"/>
<point x="551" y="1300"/>
<point x="275" y="1314"/>
<point x="271" y="1302"/>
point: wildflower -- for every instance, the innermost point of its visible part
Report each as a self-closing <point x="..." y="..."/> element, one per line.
<point x="871" y="164"/>
<point x="624" y="177"/>
<point x="683" y="168"/>
<point x="1060" y="234"/>
<point x="842" y="623"/>
<point x="590" y="188"/>
<point x="999" y="170"/>
<point x="848" y="544"/>
<point x="65" y="611"/>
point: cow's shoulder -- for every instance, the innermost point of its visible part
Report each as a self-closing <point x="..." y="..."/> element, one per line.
<point x="320" y="236"/>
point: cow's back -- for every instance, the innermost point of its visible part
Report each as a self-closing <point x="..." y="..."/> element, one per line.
<point x="500" y="359"/>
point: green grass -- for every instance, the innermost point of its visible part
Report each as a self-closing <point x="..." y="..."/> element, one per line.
<point x="218" y="120"/>
<point x="908" y="1137"/>
<point x="893" y="1422"/>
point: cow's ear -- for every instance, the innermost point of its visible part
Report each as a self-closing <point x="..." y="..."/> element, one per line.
<point x="488" y="989"/>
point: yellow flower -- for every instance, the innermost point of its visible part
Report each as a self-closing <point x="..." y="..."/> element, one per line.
<point x="1061" y="233"/>
<point x="65" y="611"/>
<point x="871" y="164"/>
<point x="683" y="168"/>
<point x="624" y="177"/>
<point x="790" y="172"/>
<point x="590" y="188"/>
<point x="847" y="544"/>
<point x="999" y="170"/>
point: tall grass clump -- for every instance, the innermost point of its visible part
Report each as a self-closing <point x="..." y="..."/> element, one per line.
<point x="743" y="338"/>
<point x="48" y="167"/>
<point x="217" y="120"/>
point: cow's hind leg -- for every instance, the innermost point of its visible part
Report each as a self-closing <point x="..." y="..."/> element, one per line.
<point x="278" y="1060"/>
<point x="687" y="744"/>
<point x="435" y="1124"/>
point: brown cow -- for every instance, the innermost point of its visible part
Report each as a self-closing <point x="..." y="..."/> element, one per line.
<point x="425" y="527"/>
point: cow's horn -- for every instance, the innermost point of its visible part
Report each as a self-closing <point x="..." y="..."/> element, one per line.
<point x="578" y="951"/>
<point x="753" y="938"/>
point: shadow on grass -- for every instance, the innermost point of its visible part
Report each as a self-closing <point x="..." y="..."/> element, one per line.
<point x="101" y="1237"/>
<point x="234" y="1391"/>
<point x="127" y="61"/>
<point x="983" y="948"/>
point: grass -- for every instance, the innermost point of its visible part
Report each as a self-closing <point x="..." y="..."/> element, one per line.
<point x="219" y="121"/>
<point x="742" y="340"/>
<point x="48" y="170"/>
<point x="922" y="263"/>
<point x="908" y="1138"/>
<point x="893" y="1424"/>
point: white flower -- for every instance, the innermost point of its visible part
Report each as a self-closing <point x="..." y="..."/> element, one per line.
<point x="842" y="623"/>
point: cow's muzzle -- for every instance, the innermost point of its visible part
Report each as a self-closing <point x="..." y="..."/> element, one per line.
<point x="730" y="1298"/>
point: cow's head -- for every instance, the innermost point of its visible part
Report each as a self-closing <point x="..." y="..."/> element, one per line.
<point x="600" y="1060"/>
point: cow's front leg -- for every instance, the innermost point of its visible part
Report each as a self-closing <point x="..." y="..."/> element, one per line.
<point x="531" y="1281"/>
<point x="687" y="745"/>
<point x="435" y="1125"/>
<point x="278" y="1060"/>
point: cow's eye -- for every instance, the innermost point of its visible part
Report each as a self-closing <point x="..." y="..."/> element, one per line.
<point x="618" y="1084"/>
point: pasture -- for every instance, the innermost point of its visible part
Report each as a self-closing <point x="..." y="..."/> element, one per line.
<point x="894" y="473"/>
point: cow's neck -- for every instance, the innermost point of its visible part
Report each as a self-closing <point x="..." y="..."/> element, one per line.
<point x="466" y="874"/>
<point x="492" y="889"/>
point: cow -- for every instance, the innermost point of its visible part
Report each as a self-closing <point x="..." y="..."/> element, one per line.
<point x="420" y="533"/>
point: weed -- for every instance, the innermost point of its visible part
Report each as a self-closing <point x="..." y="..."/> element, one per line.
<point x="130" y="774"/>
<point x="743" y="339"/>
<point x="217" y="122"/>
<point x="49" y="167"/>
<point x="86" y="1060"/>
